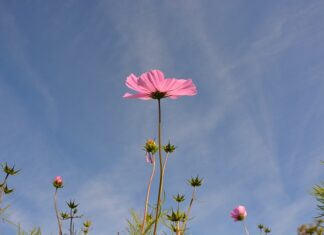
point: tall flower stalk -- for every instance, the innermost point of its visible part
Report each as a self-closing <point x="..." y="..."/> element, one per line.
<point x="151" y="149"/>
<point x="158" y="203"/>
<point x="147" y="198"/>
<point x="245" y="228"/>
<point x="59" y="223"/>
<point x="57" y="183"/>
<point x="194" y="182"/>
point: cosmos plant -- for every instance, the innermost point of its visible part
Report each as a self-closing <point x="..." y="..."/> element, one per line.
<point x="152" y="85"/>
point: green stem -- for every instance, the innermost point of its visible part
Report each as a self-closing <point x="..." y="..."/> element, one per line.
<point x="178" y="231"/>
<point x="158" y="206"/>
<point x="245" y="228"/>
<point x="165" y="162"/>
<point x="2" y="188"/>
<point x="57" y="213"/>
<point x="148" y="196"/>
<point x="71" y="222"/>
<point x="193" y="196"/>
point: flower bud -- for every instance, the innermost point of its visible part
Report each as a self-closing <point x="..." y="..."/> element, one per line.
<point x="267" y="230"/>
<point x="7" y="190"/>
<point x="87" y="223"/>
<point x="65" y="216"/>
<point x="169" y="148"/>
<point x="71" y="204"/>
<point x="239" y="213"/>
<point x="9" y="170"/>
<point x="58" y="182"/>
<point x="195" y="182"/>
<point x="150" y="146"/>
<point x="179" y="198"/>
<point x="177" y="216"/>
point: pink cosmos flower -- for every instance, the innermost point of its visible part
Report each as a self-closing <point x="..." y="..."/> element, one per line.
<point x="153" y="85"/>
<point x="239" y="213"/>
<point x="58" y="182"/>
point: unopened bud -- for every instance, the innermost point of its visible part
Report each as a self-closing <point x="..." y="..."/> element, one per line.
<point x="58" y="182"/>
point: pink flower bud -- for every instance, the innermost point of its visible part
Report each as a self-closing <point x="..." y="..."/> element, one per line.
<point x="58" y="182"/>
<point x="239" y="213"/>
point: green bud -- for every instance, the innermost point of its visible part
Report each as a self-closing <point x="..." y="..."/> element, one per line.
<point x="150" y="146"/>
<point x="87" y="223"/>
<point x="6" y="190"/>
<point x="72" y="204"/>
<point x="177" y="216"/>
<point x="9" y="170"/>
<point x="65" y="216"/>
<point x="179" y="198"/>
<point x="260" y="226"/>
<point x="195" y="182"/>
<point x="267" y="230"/>
<point x="169" y="148"/>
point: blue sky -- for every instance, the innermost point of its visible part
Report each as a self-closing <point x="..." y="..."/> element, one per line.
<point x="254" y="132"/>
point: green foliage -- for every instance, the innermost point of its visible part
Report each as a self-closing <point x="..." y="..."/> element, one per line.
<point x="86" y="227"/>
<point x="318" y="192"/>
<point x="135" y="223"/>
<point x="35" y="231"/>
<point x="317" y="228"/>
<point x="311" y="229"/>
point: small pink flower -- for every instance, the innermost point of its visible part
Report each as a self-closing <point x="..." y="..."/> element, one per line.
<point x="58" y="182"/>
<point x="239" y="213"/>
<point x="153" y="85"/>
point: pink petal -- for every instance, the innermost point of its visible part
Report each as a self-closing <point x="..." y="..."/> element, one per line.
<point x="168" y="84"/>
<point x="182" y="87"/>
<point x="241" y="210"/>
<point x="132" y="83"/>
<point x="173" y="97"/>
<point x="152" y="80"/>
<point x="149" y="158"/>
<point x="141" y="96"/>
<point x="156" y="77"/>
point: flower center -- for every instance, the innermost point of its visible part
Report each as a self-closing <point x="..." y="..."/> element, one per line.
<point x="158" y="95"/>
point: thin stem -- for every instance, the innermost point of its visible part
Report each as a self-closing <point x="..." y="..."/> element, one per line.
<point x="193" y="197"/>
<point x="1" y="194"/>
<point x="245" y="228"/>
<point x="6" y="178"/>
<point x="2" y="188"/>
<point x="148" y="196"/>
<point x="178" y="231"/>
<point x="57" y="213"/>
<point x="71" y="222"/>
<point x="164" y="164"/>
<point x="158" y="206"/>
